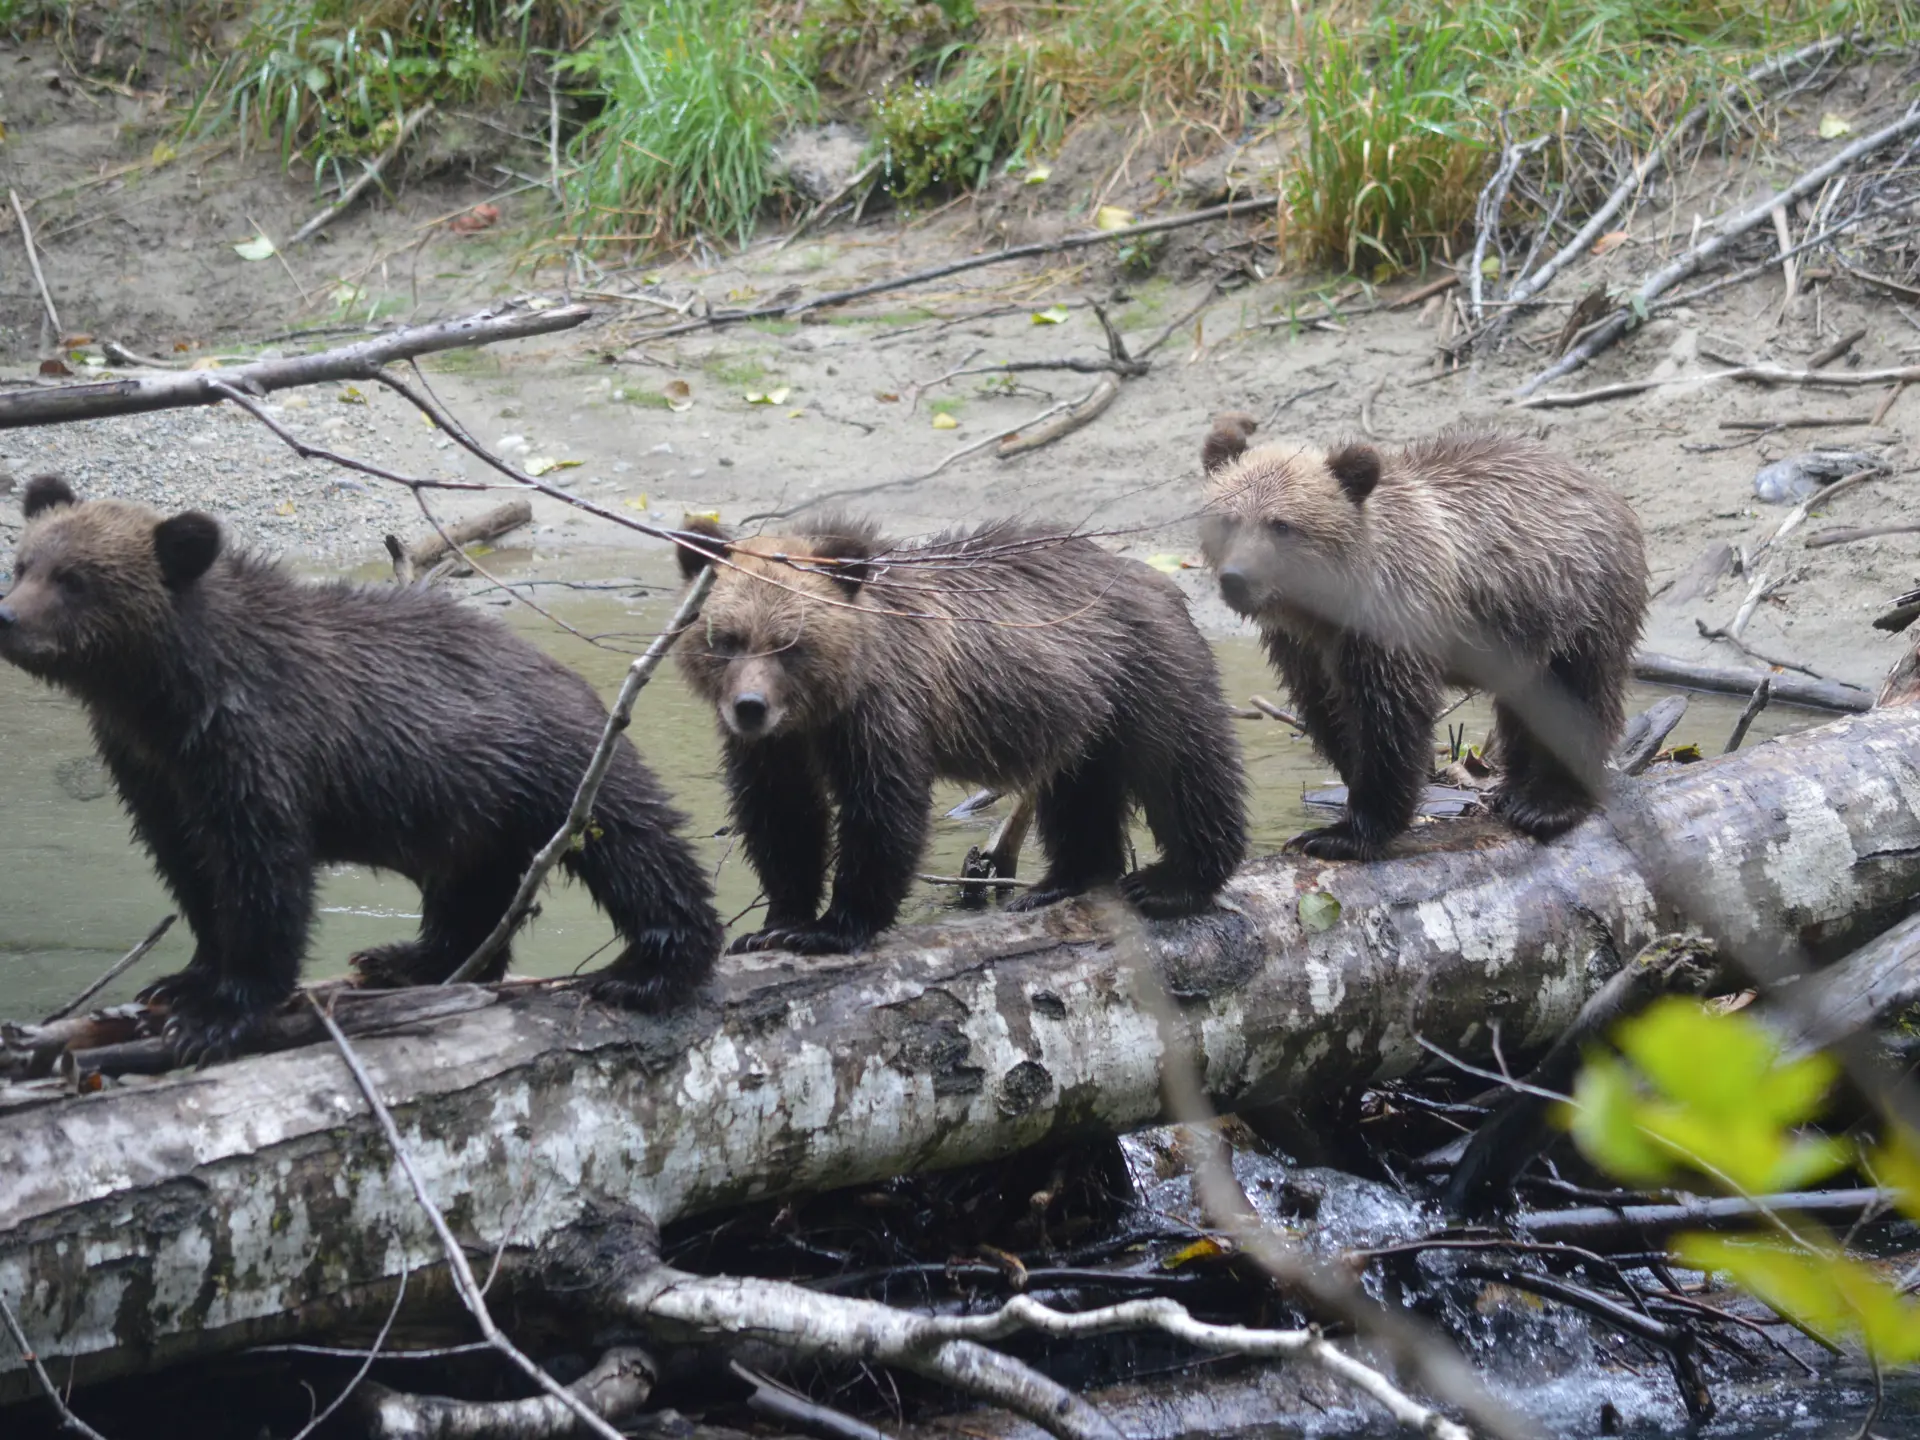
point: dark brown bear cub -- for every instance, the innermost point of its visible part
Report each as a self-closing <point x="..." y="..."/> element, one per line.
<point x="257" y="726"/>
<point x="1377" y="579"/>
<point x="1021" y="661"/>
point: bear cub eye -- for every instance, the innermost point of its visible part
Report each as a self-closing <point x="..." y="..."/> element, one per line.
<point x="726" y="643"/>
<point x="1279" y="527"/>
<point x="70" y="581"/>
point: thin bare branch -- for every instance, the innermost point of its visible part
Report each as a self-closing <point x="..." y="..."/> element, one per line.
<point x="581" y="811"/>
<point x="464" y="1283"/>
<point x="119" y="967"/>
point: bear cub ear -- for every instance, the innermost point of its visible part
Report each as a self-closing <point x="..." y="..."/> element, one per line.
<point x="1357" y="468"/>
<point x="692" y="562"/>
<point x="46" y="492"/>
<point x="187" y="544"/>
<point x="1227" y="440"/>
<point x="851" y="552"/>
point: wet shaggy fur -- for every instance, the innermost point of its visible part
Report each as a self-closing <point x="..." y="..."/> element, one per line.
<point x="1032" y="663"/>
<point x="257" y="726"/>
<point x="1377" y="578"/>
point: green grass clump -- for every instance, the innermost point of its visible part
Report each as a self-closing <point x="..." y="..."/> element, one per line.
<point x="1401" y="114"/>
<point x="331" y="79"/>
<point x="694" y="98"/>
<point x="1008" y="90"/>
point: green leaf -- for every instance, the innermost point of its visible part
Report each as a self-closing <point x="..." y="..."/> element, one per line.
<point x="1052" y="315"/>
<point x="1829" y="1294"/>
<point x="1604" y="1120"/>
<point x="1318" y="911"/>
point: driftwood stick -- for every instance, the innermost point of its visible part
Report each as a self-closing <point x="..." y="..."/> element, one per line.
<point x="402" y="562"/>
<point x="1762" y="693"/>
<point x="490" y="526"/>
<point x="33" y="260"/>
<point x="1838" y="348"/>
<point x="1083" y="412"/>
<point x="1753" y="652"/>
<point x="1846" y="535"/>
<point x="795" y="1414"/>
<point x="119" y="967"/>
<point x="367" y="178"/>
<point x="1646" y="733"/>
<point x="70" y="1423"/>
<point x="1273" y="712"/>
<point x="1730" y="229"/>
<point x="617" y="1386"/>
<point x="351" y="362"/>
<point x="469" y="1289"/>
<point x="1656" y="157"/>
<point x="678" y="1305"/>
<point x="1785" y="690"/>
<point x="1886" y="401"/>
<point x="1759" y="374"/>
<point x="1228" y="211"/>
<point x="1643" y="1227"/>
<point x="1493" y="199"/>
<point x="1799" y="422"/>
<point x="581" y="811"/>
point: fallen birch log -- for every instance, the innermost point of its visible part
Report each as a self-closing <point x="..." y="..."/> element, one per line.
<point x="1733" y="680"/>
<point x="197" y="1213"/>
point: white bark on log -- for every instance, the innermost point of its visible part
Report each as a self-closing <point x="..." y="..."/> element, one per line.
<point x="246" y="1204"/>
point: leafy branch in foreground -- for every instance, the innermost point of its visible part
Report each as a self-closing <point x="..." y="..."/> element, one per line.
<point x="1694" y="1095"/>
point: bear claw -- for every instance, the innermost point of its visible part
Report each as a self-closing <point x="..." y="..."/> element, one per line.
<point x="1333" y="842"/>
<point x="813" y="937"/>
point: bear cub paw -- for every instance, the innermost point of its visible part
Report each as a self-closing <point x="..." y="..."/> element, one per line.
<point x="1161" y="893"/>
<point x="395" y="967"/>
<point x="1544" y="817"/>
<point x="1334" y="842"/>
<point x="825" y="936"/>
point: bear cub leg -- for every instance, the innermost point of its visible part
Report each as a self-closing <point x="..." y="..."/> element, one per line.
<point x="1538" y="794"/>
<point x="1082" y="816"/>
<point x="1387" y="707"/>
<point x="456" y="914"/>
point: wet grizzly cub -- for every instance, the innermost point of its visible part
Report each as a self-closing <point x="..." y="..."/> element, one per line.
<point x="1377" y="579"/>
<point x="1025" y="662"/>
<point x="257" y="726"/>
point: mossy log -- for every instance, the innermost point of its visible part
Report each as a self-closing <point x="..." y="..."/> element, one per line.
<point x="195" y="1213"/>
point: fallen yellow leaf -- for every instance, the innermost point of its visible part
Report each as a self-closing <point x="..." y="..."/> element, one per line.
<point x="1112" y="217"/>
<point x="637" y="502"/>
<point x="349" y="395"/>
<point x="944" y="421"/>
<point x="1833" y="126"/>
<point x="285" y="507"/>
<point x="1052" y="315"/>
<point x="1038" y="174"/>
<point x="1612" y="240"/>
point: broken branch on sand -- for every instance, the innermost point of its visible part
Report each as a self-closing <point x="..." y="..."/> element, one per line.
<point x="1729" y="229"/>
<point x="1757" y="374"/>
<point x="33" y="261"/>
<point x="1228" y="211"/>
<point x="368" y="177"/>
<point x="362" y="361"/>
<point x="1844" y="535"/>
<point x="488" y="526"/>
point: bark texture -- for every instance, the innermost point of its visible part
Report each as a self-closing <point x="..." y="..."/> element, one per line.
<point x="204" y="1211"/>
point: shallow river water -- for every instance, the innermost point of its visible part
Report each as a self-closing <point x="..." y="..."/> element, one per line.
<point x="76" y="892"/>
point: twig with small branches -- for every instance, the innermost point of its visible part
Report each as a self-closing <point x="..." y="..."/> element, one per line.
<point x="1730" y="229"/>
<point x="464" y="1283"/>
<point x="70" y="1423"/>
<point x="1761" y="694"/>
<point x="1493" y="199"/>
<point x="33" y="261"/>
<point x="119" y="967"/>
<point x="581" y="811"/>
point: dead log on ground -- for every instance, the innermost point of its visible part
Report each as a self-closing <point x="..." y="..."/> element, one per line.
<point x="197" y="1213"/>
<point x="489" y="526"/>
<point x="1730" y="680"/>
